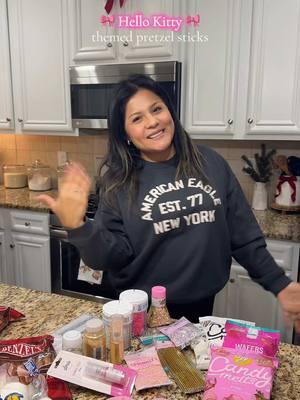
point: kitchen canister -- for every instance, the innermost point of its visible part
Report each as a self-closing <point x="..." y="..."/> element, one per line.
<point x="118" y="307"/>
<point x="14" y="176"/>
<point x="139" y="301"/>
<point x="39" y="177"/>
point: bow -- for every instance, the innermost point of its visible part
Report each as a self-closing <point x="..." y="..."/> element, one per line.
<point x="291" y="181"/>
<point x="193" y="19"/>
<point x="107" y="19"/>
<point x="110" y="3"/>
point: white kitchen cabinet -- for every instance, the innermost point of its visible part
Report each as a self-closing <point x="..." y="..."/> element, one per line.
<point x="39" y="62"/>
<point x="243" y="82"/>
<point x="3" y="267"/>
<point x="31" y="261"/>
<point x="6" y="103"/>
<point x="93" y="42"/>
<point x="25" y="249"/>
<point x="273" y="108"/>
<point x="211" y="72"/>
<point x="244" y="299"/>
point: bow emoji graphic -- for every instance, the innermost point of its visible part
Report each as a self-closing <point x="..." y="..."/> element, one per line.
<point x="193" y="20"/>
<point x="107" y="20"/>
<point x="110" y="3"/>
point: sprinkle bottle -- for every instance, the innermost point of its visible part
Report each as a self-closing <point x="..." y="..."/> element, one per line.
<point x="139" y="300"/>
<point x="94" y="339"/>
<point x="72" y="341"/>
<point x="116" y="339"/>
<point x="158" y="314"/>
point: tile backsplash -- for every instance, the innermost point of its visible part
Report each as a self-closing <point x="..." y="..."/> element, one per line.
<point x="24" y="149"/>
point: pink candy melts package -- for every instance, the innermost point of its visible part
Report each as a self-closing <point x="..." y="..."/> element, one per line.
<point x="235" y="376"/>
<point x="251" y="339"/>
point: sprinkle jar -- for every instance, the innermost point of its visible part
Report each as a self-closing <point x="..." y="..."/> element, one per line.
<point x="118" y="307"/>
<point x="139" y="301"/>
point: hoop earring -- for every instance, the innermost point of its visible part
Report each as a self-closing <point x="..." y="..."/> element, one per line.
<point x="128" y="142"/>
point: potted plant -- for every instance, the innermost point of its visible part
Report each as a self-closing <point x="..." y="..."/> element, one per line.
<point x="261" y="173"/>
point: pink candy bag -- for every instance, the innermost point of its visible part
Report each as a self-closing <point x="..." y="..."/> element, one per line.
<point x="251" y="339"/>
<point x="235" y="376"/>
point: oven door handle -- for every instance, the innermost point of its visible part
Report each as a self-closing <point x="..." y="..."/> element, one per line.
<point x="58" y="233"/>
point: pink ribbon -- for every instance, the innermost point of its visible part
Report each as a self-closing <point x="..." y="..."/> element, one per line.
<point x="193" y="20"/>
<point x="107" y="19"/>
<point x="291" y="181"/>
<point x="110" y="3"/>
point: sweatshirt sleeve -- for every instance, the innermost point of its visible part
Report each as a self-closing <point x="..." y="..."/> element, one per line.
<point x="247" y="241"/>
<point x="103" y="243"/>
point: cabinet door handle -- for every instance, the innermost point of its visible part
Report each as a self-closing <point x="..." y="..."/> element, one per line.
<point x="232" y="280"/>
<point x="20" y="119"/>
<point x="27" y="223"/>
<point x="230" y="121"/>
<point x="250" y="120"/>
<point x="125" y="44"/>
<point x="109" y="44"/>
<point x="11" y="245"/>
<point x="8" y="119"/>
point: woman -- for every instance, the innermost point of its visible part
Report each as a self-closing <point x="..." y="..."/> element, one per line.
<point x="170" y="214"/>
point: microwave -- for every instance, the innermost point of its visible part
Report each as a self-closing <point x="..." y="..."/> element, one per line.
<point x="93" y="87"/>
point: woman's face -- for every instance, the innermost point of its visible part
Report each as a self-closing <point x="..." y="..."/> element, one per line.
<point x="150" y="126"/>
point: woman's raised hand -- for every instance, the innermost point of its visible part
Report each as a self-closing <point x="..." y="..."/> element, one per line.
<point x="71" y="203"/>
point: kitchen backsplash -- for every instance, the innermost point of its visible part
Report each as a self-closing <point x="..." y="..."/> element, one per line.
<point x="23" y="149"/>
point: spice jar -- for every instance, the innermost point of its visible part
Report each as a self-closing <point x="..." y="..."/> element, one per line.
<point x="72" y="341"/>
<point x="94" y="339"/>
<point x="158" y="314"/>
<point x="139" y="301"/>
<point x="14" y="176"/>
<point x="118" y="307"/>
<point x="39" y="176"/>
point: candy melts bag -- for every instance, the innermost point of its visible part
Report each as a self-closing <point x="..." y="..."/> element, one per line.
<point x="249" y="339"/>
<point x="212" y="334"/>
<point x="234" y="376"/>
<point x="8" y="315"/>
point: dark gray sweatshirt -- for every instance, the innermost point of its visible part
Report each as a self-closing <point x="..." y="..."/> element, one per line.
<point x="180" y="234"/>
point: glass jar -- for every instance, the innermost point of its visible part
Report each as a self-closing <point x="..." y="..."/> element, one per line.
<point x="14" y="176"/>
<point x="61" y="169"/>
<point x="39" y="177"/>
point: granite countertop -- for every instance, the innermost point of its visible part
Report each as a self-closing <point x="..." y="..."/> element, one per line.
<point x="23" y="198"/>
<point x="274" y="224"/>
<point x="47" y="312"/>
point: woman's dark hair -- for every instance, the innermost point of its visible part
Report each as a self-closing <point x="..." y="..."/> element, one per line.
<point x="123" y="160"/>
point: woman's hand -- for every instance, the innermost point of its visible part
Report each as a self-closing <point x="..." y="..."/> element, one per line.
<point x="289" y="299"/>
<point x="70" y="205"/>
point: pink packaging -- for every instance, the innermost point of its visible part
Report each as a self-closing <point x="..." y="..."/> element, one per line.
<point x="251" y="339"/>
<point x="150" y="372"/>
<point x="233" y="376"/>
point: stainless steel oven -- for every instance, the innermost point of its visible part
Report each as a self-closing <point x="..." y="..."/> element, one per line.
<point x="65" y="265"/>
<point x="93" y="86"/>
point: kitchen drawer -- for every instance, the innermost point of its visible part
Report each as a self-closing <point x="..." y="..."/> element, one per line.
<point x="285" y="253"/>
<point x="30" y="222"/>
